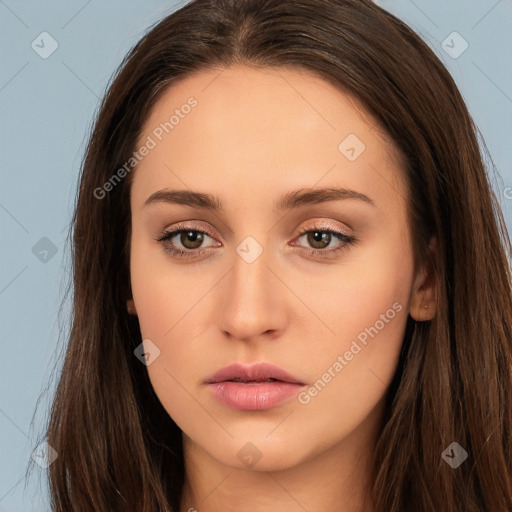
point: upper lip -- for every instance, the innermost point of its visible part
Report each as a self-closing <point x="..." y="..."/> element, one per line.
<point x="253" y="373"/>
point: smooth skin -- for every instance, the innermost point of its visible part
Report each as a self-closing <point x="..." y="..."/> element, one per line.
<point x="255" y="135"/>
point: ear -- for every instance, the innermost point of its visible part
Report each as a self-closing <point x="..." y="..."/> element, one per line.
<point x="130" y="307"/>
<point x="423" y="295"/>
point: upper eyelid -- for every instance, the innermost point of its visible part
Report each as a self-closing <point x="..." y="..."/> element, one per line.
<point x="314" y="224"/>
<point x="182" y="227"/>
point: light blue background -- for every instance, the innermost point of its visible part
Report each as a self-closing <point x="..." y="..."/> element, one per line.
<point x="46" y="109"/>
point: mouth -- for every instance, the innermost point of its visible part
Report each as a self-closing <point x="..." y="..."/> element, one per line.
<point x="253" y="381"/>
<point x="256" y="373"/>
<point x="254" y="388"/>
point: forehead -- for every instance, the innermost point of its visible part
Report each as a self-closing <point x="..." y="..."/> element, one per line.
<point x="263" y="127"/>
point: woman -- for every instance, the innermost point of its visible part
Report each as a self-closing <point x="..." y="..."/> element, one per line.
<point x="291" y="280"/>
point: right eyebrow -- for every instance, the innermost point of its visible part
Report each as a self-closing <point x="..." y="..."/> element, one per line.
<point x="291" y="200"/>
<point x="187" y="198"/>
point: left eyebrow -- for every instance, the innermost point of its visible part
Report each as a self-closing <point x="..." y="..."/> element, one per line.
<point x="290" y="200"/>
<point x="303" y="197"/>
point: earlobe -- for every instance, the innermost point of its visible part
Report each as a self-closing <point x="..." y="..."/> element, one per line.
<point x="423" y="297"/>
<point x="130" y="307"/>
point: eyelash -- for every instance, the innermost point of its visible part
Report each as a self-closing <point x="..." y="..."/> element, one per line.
<point x="166" y="236"/>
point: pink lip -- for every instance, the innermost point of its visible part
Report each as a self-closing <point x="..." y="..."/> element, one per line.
<point x="254" y="394"/>
<point x="256" y="372"/>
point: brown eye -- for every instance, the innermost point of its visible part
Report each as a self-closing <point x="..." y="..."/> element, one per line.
<point x="186" y="241"/>
<point x="191" y="239"/>
<point x="319" y="239"/>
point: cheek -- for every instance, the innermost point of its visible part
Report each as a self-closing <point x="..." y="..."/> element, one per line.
<point x="366" y="308"/>
<point x="170" y="305"/>
<point x="163" y="319"/>
<point x="162" y="291"/>
<point x="352" y="373"/>
<point x="367" y="291"/>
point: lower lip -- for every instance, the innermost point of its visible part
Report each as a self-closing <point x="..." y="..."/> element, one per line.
<point x="253" y="396"/>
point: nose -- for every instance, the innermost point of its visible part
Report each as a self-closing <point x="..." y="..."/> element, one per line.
<point x="253" y="300"/>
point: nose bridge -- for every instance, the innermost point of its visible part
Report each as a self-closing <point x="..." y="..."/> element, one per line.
<point x="251" y="303"/>
<point x="250" y="275"/>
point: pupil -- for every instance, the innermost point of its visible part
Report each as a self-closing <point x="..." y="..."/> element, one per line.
<point x="192" y="237"/>
<point x="319" y="237"/>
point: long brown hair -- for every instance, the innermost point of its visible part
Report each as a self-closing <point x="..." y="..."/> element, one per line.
<point x="117" y="447"/>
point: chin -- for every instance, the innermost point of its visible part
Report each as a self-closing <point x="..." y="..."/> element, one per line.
<point x="257" y="454"/>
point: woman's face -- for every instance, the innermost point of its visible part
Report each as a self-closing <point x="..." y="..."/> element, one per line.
<point x="265" y="277"/>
